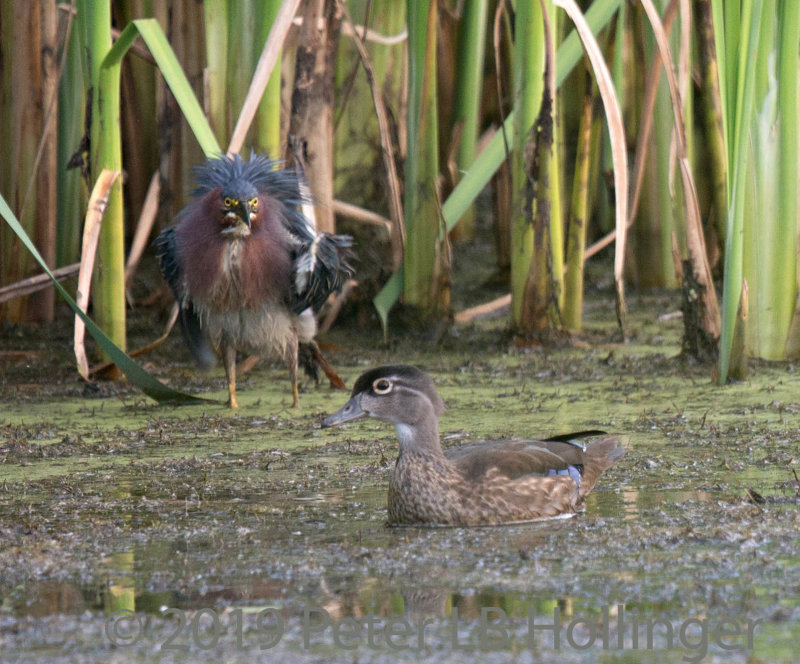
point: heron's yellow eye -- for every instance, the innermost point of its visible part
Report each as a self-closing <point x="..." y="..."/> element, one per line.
<point x="254" y="203"/>
<point x="229" y="202"/>
<point x="382" y="386"/>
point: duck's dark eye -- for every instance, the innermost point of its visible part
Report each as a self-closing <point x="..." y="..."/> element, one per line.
<point x="382" y="386"/>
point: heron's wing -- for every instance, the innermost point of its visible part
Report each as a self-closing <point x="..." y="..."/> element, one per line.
<point x="170" y="263"/>
<point x="321" y="267"/>
<point x="320" y="261"/>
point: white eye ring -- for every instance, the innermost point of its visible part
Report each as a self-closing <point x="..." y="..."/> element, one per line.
<point x="382" y="386"/>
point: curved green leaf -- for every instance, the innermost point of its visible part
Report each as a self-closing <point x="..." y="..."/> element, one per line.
<point x="173" y="74"/>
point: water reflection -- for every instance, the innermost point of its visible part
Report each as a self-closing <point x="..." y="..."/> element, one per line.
<point x="375" y="617"/>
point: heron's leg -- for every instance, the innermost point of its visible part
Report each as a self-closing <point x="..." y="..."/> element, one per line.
<point x="290" y="356"/>
<point x="329" y="371"/>
<point x="247" y="364"/>
<point x="229" y="360"/>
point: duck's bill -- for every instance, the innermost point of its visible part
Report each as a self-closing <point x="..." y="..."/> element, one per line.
<point x="350" y="411"/>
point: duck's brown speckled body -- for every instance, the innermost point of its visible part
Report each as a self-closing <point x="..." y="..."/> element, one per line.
<point x="478" y="484"/>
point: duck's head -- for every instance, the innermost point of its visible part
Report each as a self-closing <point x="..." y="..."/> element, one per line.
<point x="400" y="394"/>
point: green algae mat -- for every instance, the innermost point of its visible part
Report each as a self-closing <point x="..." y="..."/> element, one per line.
<point x="133" y="532"/>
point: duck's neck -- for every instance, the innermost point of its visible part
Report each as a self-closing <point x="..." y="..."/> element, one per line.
<point x="422" y="436"/>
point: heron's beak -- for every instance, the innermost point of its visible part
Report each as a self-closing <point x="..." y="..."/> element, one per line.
<point x="243" y="212"/>
<point x="350" y="411"/>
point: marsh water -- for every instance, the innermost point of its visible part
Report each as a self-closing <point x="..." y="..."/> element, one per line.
<point x="133" y="532"/>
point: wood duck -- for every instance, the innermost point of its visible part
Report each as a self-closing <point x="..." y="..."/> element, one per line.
<point x="484" y="483"/>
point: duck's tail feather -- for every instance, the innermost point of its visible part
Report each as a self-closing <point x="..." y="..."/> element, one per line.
<point x="600" y="455"/>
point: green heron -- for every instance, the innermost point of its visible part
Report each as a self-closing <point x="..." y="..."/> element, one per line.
<point x="249" y="270"/>
<point x="484" y="483"/>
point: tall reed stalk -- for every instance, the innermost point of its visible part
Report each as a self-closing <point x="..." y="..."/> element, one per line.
<point x="71" y="191"/>
<point x="579" y="215"/>
<point x="28" y="110"/>
<point x="424" y="261"/>
<point x="267" y="134"/>
<point x="106" y="152"/>
<point x="215" y="16"/>
<point x="528" y="68"/>
<point x="468" y="91"/>
<point x="543" y="291"/>
<point x="241" y="55"/>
